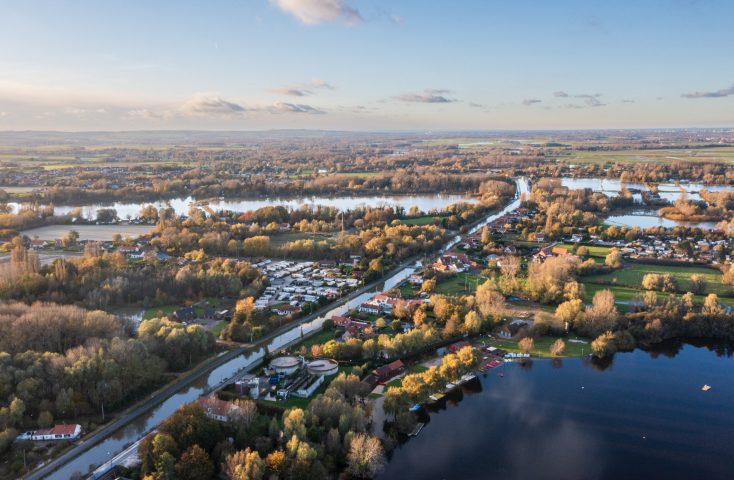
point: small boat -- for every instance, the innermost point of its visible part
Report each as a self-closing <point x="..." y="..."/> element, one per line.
<point x="415" y="408"/>
<point x="500" y="375"/>
<point x="482" y="370"/>
<point x="706" y="388"/>
<point x="449" y="386"/>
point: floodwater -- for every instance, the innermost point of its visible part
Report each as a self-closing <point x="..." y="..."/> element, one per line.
<point x="640" y="415"/>
<point x="599" y="184"/>
<point x="181" y="205"/>
<point x="146" y="422"/>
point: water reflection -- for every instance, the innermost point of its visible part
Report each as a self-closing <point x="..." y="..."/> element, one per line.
<point x="645" y="418"/>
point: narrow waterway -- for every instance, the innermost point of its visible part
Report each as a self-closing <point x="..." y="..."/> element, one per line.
<point x="132" y="432"/>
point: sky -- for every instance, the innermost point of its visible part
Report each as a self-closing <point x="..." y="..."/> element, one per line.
<point x="369" y="65"/>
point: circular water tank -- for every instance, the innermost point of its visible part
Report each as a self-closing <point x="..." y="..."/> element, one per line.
<point x="284" y="365"/>
<point x="323" y="367"/>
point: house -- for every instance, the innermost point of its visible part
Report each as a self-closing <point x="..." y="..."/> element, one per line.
<point x="58" y="242"/>
<point x="416" y="279"/>
<point x="369" y="308"/>
<point x="285" y="226"/>
<point x="458" y="346"/>
<point x="510" y="330"/>
<point x="356" y="255"/>
<point x="127" y="249"/>
<point x="184" y="314"/>
<point x="36" y="244"/>
<point x="370" y="381"/>
<point x="510" y="249"/>
<point x="539" y="237"/>
<point x="57" y="434"/>
<point x="217" y="409"/>
<point x="327" y="263"/>
<point x="342" y="322"/>
<point x="576" y="238"/>
<point x="388" y="371"/>
<point x="559" y="251"/>
<point x="209" y="313"/>
<point x="288" y="309"/>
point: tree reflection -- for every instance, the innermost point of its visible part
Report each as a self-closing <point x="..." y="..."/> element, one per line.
<point x="526" y="364"/>
<point x="556" y="363"/>
<point x="596" y="363"/>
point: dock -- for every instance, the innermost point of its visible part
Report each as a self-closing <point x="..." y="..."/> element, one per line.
<point x="417" y="430"/>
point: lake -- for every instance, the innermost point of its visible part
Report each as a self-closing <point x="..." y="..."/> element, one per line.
<point x="641" y="415"/>
<point x="181" y="205"/>
<point x="646" y="220"/>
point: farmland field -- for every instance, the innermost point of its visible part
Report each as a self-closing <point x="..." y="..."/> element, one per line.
<point x="456" y="285"/>
<point x="88" y="232"/>
<point x="419" y="221"/>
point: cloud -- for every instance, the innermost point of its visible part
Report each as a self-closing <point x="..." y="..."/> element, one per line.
<point x="628" y="101"/>
<point x="422" y="98"/>
<point x="396" y="20"/>
<point x="143" y="114"/>
<point x="316" y="12"/>
<point x="74" y="110"/>
<point x="592" y="100"/>
<point x="211" y="106"/>
<point x="290" y="91"/>
<point x="316" y="83"/>
<point x="281" y="107"/>
<point x="358" y="109"/>
<point x="3" y="114"/>
<point x="301" y="89"/>
<point x="472" y="104"/>
<point x="571" y="105"/>
<point x="594" y="22"/>
<point x="101" y="110"/>
<point x="719" y="93"/>
<point x="560" y="94"/>
<point x="527" y="102"/>
<point x="436" y="91"/>
<point x="659" y="98"/>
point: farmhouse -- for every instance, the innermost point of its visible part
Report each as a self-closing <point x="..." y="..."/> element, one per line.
<point x="288" y="309"/>
<point x="217" y="409"/>
<point x="369" y="308"/>
<point x="184" y="314"/>
<point x="58" y="433"/>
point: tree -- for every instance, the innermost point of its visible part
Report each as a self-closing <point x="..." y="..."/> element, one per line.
<point x="194" y="464"/>
<point x="490" y="303"/>
<point x="472" y="323"/>
<point x="711" y="306"/>
<point x="17" y="408"/>
<point x="45" y="420"/>
<point x="604" y="345"/>
<point x="278" y="464"/>
<point x="396" y="325"/>
<point x="603" y="314"/>
<point x="558" y="347"/>
<point x="366" y="457"/>
<point x="697" y="284"/>
<point x="397" y="400"/>
<point x="380" y="323"/>
<point x="571" y="311"/>
<point x="582" y="251"/>
<point x="370" y="349"/>
<point x="428" y="286"/>
<point x="245" y="413"/>
<point x="469" y="358"/>
<point x="614" y="258"/>
<point x="435" y="381"/>
<point x="252" y="469"/>
<point x="165" y="467"/>
<point x="416" y="386"/>
<point x="526" y="344"/>
<point x="419" y="317"/>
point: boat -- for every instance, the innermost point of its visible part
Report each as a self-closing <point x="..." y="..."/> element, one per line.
<point x="706" y="388"/>
<point x="437" y="396"/>
<point x="449" y="386"/>
<point x="482" y="370"/>
<point x="501" y="375"/>
<point x="415" y="408"/>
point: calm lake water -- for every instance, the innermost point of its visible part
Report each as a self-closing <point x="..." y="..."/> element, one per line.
<point x="181" y="205"/>
<point x="641" y="415"/>
<point x="647" y="220"/>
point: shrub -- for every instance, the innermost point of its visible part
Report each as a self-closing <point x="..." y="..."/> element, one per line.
<point x="558" y="347"/>
<point x="526" y="344"/>
<point x="604" y="345"/>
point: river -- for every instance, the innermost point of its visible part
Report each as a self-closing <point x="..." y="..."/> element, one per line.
<point x="130" y="433"/>
<point x="641" y="415"/>
<point x="181" y="205"/>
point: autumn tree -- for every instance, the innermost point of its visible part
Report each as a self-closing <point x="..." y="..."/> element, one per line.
<point x="558" y="347"/>
<point x="526" y="344"/>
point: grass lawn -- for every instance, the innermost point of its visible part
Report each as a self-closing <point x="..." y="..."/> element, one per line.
<point x="543" y="345"/>
<point x="455" y="285"/>
<point x="318" y="339"/>
<point x="406" y="289"/>
<point x="635" y="274"/>
<point x="374" y="395"/>
<point x="217" y="330"/>
<point x="418" y="368"/>
<point x="398" y="382"/>
<point x="623" y="295"/>
<point x="302" y="403"/>
<point x="419" y="221"/>
<point x="166" y="309"/>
